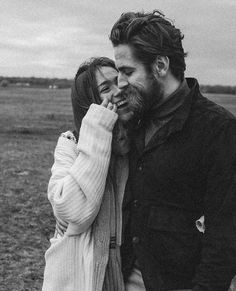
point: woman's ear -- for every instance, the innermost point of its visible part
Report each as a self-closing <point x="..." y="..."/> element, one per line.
<point x="161" y="66"/>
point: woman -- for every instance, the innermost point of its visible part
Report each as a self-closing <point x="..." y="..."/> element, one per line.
<point x="87" y="186"/>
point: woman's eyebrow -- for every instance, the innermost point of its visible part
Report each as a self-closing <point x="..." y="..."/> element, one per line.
<point x="108" y="81"/>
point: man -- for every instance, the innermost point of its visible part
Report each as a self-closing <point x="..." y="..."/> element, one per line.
<point x="182" y="165"/>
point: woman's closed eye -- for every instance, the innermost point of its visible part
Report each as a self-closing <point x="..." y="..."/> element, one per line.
<point x="105" y="89"/>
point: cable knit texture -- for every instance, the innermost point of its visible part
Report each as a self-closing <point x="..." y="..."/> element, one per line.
<point x="83" y="196"/>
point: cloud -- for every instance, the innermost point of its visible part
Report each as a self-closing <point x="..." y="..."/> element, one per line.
<point x="53" y="37"/>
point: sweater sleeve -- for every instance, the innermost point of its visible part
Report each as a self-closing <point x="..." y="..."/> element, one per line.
<point x="79" y="172"/>
<point x="218" y="262"/>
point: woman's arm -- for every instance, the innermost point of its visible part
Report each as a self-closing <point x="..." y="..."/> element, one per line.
<point x="79" y="172"/>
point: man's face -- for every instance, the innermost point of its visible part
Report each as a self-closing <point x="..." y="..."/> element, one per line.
<point x="139" y="87"/>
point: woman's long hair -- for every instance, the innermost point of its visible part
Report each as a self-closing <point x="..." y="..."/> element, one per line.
<point x="84" y="90"/>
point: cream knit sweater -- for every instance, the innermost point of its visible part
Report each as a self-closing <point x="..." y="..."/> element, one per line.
<point x="75" y="191"/>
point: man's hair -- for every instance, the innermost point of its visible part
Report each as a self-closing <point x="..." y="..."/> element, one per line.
<point x="84" y="89"/>
<point x="150" y="35"/>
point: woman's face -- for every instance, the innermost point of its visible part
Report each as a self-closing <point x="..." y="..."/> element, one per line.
<point x="106" y="78"/>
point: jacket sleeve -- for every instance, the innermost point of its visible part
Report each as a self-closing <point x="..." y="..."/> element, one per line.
<point x="218" y="262"/>
<point x="79" y="172"/>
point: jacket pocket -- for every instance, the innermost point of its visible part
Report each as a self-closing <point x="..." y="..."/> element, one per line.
<point x="175" y="234"/>
<point x="171" y="220"/>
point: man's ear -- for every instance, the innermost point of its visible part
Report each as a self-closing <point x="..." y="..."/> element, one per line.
<point x="161" y="66"/>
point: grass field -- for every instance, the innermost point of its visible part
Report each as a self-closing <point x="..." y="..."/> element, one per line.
<point x="31" y="120"/>
<point x="30" y="123"/>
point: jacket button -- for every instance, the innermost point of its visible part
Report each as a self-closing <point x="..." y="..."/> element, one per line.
<point x="140" y="168"/>
<point x="135" y="203"/>
<point x="135" y="240"/>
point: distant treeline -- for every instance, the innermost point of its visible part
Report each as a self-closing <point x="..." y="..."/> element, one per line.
<point x="56" y="83"/>
<point x="218" y="89"/>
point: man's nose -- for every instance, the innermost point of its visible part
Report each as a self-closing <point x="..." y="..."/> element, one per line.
<point x="116" y="91"/>
<point x="122" y="81"/>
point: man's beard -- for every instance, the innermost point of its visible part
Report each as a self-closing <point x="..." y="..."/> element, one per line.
<point x="140" y="100"/>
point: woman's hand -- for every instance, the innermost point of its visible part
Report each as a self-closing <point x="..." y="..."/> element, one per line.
<point x="107" y="104"/>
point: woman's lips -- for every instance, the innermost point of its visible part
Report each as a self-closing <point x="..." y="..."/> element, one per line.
<point x="121" y="103"/>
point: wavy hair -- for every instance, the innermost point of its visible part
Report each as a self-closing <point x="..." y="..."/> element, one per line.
<point x="151" y="35"/>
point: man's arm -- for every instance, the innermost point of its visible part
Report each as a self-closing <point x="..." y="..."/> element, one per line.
<point x="218" y="262"/>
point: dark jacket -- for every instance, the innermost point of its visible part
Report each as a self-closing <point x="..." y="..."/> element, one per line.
<point x="188" y="169"/>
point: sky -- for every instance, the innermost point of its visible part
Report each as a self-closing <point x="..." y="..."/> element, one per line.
<point x="51" y="38"/>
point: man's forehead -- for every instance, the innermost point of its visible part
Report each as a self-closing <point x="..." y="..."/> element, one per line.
<point x="123" y="51"/>
<point x="124" y="56"/>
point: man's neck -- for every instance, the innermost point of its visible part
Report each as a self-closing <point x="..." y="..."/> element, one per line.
<point x="164" y="112"/>
<point x="170" y="85"/>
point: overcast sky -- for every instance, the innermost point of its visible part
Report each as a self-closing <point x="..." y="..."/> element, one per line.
<point x="50" y="38"/>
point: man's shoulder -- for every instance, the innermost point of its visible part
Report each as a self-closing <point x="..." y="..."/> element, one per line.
<point x="209" y="113"/>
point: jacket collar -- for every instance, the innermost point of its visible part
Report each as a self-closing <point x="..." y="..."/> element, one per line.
<point x="169" y="117"/>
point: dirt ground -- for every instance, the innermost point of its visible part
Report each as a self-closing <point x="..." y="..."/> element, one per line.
<point x="30" y="123"/>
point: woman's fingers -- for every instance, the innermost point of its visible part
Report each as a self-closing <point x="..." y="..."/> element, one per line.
<point x="114" y="108"/>
<point x="110" y="106"/>
<point x="106" y="103"/>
